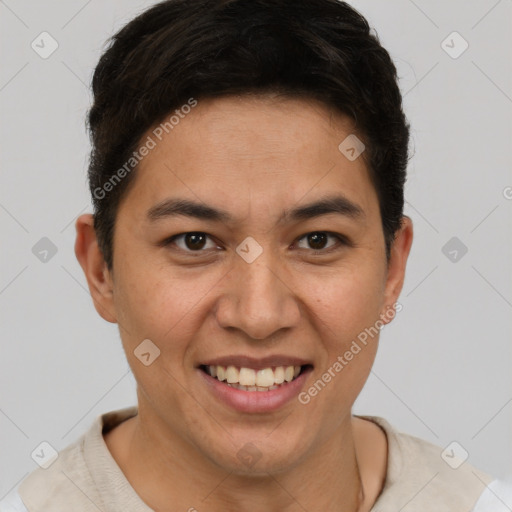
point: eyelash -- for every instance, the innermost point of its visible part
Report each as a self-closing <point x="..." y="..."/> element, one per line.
<point x="342" y="241"/>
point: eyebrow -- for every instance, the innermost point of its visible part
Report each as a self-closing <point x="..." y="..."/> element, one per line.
<point x="184" y="207"/>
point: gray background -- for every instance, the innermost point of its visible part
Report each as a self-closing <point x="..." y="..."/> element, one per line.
<point x="443" y="368"/>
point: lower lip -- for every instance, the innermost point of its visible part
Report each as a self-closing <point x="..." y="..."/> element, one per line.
<point x="255" y="401"/>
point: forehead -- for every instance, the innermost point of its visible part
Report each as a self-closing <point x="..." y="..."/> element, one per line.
<point x="251" y="154"/>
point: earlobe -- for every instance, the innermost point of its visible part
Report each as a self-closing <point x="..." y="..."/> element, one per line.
<point x="397" y="265"/>
<point x="91" y="260"/>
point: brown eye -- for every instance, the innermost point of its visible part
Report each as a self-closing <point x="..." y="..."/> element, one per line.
<point x="194" y="241"/>
<point x="317" y="240"/>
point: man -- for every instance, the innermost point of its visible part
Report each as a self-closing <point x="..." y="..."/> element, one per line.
<point x="248" y="238"/>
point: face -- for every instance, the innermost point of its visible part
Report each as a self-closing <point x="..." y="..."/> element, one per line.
<point x="222" y="259"/>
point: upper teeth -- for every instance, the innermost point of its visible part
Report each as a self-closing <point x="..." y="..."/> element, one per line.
<point x="265" y="377"/>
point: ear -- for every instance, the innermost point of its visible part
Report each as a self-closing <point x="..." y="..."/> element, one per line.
<point x="98" y="276"/>
<point x="396" y="267"/>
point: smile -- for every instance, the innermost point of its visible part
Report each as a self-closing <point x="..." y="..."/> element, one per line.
<point x="262" y="388"/>
<point x="250" y="379"/>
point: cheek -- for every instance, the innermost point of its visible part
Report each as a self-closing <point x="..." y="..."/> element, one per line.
<point x="348" y="301"/>
<point x="346" y="310"/>
<point x="154" y="303"/>
<point x="150" y="307"/>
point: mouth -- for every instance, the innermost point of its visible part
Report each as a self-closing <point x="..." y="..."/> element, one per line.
<point x="255" y="380"/>
<point x="255" y="386"/>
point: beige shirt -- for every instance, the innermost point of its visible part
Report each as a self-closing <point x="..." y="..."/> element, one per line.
<point x="86" y="478"/>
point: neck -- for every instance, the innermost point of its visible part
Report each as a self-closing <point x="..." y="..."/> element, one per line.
<point x="169" y="473"/>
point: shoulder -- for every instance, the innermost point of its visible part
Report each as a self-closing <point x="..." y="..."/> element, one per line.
<point x="36" y="491"/>
<point x="421" y="474"/>
<point x="73" y="476"/>
<point x="42" y="488"/>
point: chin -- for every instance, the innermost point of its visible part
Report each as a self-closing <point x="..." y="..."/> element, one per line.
<point x="257" y="456"/>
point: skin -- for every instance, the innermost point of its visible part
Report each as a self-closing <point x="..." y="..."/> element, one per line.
<point x="254" y="157"/>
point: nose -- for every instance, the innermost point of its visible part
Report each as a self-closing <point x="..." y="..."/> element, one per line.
<point x="257" y="299"/>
